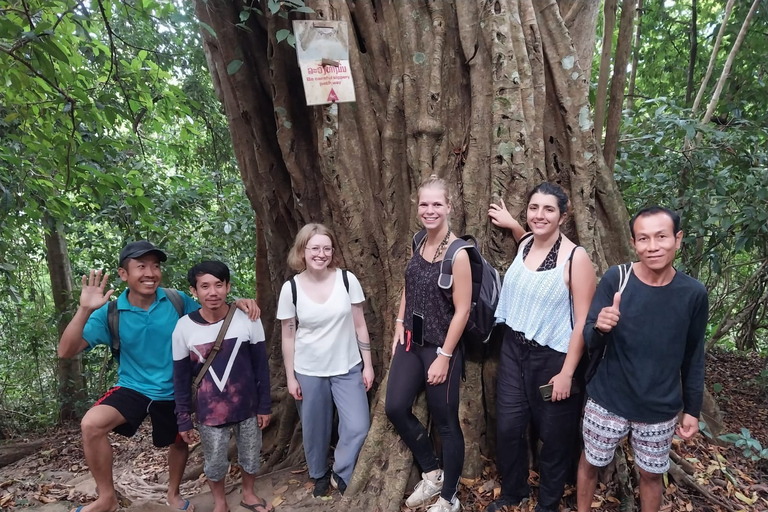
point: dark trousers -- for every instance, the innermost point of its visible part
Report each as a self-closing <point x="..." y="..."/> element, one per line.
<point x="523" y="367"/>
<point x="407" y="377"/>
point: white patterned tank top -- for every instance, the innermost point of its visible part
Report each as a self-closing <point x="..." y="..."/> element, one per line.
<point x="536" y="303"/>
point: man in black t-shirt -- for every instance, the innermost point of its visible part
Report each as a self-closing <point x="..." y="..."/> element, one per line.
<point x="653" y="366"/>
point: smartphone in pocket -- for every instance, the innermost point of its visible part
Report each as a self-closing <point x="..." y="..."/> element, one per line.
<point x="546" y="392"/>
<point x="417" y="336"/>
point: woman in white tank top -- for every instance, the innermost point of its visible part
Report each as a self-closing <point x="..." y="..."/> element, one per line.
<point x="543" y="306"/>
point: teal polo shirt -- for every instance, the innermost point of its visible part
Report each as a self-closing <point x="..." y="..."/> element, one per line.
<point x="146" y="356"/>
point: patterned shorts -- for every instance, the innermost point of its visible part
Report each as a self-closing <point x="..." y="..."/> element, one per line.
<point x="603" y="431"/>
<point x="215" y="441"/>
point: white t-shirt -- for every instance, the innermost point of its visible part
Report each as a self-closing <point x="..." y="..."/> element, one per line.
<point x="326" y="343"/>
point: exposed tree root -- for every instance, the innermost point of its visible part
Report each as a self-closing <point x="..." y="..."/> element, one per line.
<point x="682" y="478"/>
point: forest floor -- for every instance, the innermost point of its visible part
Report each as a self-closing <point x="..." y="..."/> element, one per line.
<point x="56" y="477"/>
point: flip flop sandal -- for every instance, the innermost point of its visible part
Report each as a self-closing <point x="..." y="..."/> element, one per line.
<point x="257" y="507"/>
<point x="185" y="507"/>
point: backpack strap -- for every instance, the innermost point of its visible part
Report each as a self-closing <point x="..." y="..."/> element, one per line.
<point x="570" y="281"/>
<point x="294" y="296"/>
<point x="345" y="278"/>
<point x="113" y="324"/>
<point x="175" y="297"/>
<point x="418" y="239"/>
<point x="624" y="271"/>
<point x="216" y="345"/>
<point x="445" y="279"/>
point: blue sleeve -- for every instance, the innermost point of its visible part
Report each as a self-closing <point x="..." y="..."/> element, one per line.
<point x="96" y="330"/>
<point x="190" y="304"/>
<point x="260" y="363"/>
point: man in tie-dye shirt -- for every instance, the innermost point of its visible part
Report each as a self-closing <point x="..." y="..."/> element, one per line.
<point x="234" y="391"/>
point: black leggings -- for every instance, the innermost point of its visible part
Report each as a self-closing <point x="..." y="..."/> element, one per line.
<point x="523" y="367"/>
<point x="407" y="377"/>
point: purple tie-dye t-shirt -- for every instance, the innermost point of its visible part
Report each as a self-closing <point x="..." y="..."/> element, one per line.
<point x="236" y="386"/>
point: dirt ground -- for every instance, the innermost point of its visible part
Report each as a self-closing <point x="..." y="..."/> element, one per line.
<point x="56" y="479"/>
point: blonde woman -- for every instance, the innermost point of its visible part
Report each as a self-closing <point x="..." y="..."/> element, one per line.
<point x="426" y="353"/>
<point x="327" y="355"/>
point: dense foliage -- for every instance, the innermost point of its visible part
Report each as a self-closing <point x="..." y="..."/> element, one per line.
<point x="110" y="131"/>
<point x="110" y="128"/>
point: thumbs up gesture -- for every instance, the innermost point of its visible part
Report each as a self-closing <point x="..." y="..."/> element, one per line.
<point x="609" y="316"/>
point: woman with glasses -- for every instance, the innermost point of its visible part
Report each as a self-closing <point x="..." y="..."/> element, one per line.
<point x="327" y="355"/>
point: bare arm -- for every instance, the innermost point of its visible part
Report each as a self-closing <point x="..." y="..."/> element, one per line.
<point x="92" y="297"/>
<point x="582" y="286"/>
<point x="462" y="301"/>
<point x="364" y="343"/>
<point x="399" y="326"/>
<point x="289" y="349"/>
<point x="501" y="217"/>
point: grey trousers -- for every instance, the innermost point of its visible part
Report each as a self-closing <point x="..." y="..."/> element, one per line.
<point x="316" y="412"/>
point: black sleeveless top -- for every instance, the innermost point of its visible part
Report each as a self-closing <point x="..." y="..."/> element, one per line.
<point x="424" y="296"/>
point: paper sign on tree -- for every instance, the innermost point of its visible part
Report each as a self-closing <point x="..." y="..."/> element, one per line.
<point x="322" y="48"/>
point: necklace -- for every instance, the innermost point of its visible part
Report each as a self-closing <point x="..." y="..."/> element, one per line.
<point x="440" y="247"/>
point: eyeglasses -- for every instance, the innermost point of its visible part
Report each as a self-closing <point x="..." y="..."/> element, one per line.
<point x="316" y="251"/>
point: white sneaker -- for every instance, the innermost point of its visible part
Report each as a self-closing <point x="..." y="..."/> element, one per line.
<point x="425" y="491"/>
<point x="443" y="505"/>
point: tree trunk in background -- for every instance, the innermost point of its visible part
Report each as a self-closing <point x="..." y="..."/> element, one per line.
<point x="70" y="371"/>
<point x="635" y="56"/>
<point x="492" y="97"/>
<point x="694" y="45"/>
<point x="609" y="23"/>
<point x="619" y="82"/>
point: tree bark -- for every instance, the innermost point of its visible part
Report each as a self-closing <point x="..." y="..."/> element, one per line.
<point x="694" y="46"/>
<point x="635" y="56"/>
<point x="729" y="63"/>
<point x="610" y="9"/>
<point x="493" y="97"/>
<point x="713" y="57"/>
<point x="619" y="81"/>
<point x="70" y="371"/>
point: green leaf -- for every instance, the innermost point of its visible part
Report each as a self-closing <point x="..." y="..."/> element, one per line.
<point x="717" y="387"/>
<point x="273" y="6"/>
<point x="282" y="34"/>
<point x="304" y="8"/>
<point x="234" y="66"/>
<point x="729" y="438"/>
<point x="244" y="15"/>
<point x="208" y="28"/>
<point x="54" y="50"/>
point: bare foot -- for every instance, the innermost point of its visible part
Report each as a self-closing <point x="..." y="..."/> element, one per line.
<point x="220" y="507"/>
<point x="102" y="504"/>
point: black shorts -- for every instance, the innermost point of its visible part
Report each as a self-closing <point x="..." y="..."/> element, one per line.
<point x="134" y="407"/>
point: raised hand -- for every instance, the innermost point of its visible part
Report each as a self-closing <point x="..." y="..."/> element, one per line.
<point x="500" y="216"/>
<point x="92" y="296"/>
<point x="609" y="317"/>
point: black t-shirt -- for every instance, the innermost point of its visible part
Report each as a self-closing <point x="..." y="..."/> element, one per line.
<point x="654" y="362"/>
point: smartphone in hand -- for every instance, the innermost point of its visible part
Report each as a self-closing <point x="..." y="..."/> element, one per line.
<point x="546" y="392"/>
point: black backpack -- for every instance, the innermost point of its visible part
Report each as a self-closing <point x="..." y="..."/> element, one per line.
<point x="113" y="319"/>
<point x="292" y="280"/>
<point x="486" y="286"/>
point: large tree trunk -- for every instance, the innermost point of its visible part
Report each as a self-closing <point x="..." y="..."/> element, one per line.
<point x="619" y="81"/>
<point x="70" y="371"/>
<point x="491" y="96"/>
